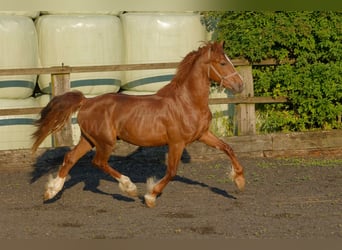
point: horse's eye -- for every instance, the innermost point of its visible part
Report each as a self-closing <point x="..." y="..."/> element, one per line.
<point x="223" y="63"/>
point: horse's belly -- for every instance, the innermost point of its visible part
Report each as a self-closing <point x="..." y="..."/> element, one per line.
<point x="143" y="135"/>
<point x="143" y="140"/>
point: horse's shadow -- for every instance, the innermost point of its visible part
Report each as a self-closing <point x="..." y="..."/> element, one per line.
<point x="141" y="164"/>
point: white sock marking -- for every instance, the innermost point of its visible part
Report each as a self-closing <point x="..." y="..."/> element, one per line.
<point x="53" y="186"/>
<point x="127" y="186"/>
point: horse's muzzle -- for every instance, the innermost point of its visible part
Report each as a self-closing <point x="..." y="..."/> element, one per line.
<point x="239" y="87"/>
<point x="235" y="87"/>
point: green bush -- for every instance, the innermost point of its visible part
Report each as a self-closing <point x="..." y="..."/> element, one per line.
<point x="313" y="83"/>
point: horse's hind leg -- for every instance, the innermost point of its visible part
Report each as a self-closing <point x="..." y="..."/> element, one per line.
<point x="55" y="185"/>
<point x="101" y="161"/>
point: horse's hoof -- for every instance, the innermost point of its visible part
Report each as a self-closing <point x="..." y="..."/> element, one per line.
<point x="150" y="200"/>
<point x="132" y="193"/>
<point x="48" y="195"/>
<point x="130" y="189"/>
<point x="53" y="186"/>
<point x="127" y="186"/>
<point x="240" y="182"/>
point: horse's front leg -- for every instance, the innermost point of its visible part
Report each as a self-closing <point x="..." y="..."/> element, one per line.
<point x="155" y="188"/>
<point x="237" y="170"/>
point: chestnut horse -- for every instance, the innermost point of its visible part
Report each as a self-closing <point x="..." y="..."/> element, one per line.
<point x="176" y="115"/>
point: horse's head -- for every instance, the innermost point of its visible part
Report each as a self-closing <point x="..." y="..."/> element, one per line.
<point x="222" y="70"/>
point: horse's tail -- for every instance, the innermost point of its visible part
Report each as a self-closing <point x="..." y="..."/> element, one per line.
<point x="55" y="114"/>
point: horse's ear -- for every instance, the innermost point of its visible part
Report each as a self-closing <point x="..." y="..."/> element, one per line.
<point x="222" y="43"/>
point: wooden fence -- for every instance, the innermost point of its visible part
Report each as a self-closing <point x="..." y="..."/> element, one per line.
<point x="60" y="81"/>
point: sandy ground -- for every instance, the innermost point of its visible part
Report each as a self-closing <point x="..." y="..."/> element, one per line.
<point x="289" y="198"/>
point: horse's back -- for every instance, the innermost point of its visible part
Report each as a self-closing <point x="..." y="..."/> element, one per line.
<point x="140" y="120"/>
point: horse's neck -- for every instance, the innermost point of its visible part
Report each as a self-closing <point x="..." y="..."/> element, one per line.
<point x="198" y="91"/>
<point x="195" y="89"/>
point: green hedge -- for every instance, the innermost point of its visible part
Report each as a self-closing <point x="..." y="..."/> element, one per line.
<point x="313" y="84"/>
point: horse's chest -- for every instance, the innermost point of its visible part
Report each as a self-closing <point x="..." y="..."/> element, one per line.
<point x="195" y="124"/>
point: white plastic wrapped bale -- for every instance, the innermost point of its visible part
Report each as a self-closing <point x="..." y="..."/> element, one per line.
<point x="18" y="49"/>
<point x="81" y="40"/>
<point x="16" y="130"/>
<point x="222" y="123"/>
<point x="155" y="38"/>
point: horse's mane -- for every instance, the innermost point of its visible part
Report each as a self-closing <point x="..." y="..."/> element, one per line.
<point x="188" y="62"/>
<point x="186" y="65"/>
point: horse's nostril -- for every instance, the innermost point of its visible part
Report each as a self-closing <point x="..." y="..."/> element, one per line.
<point x="240" y="87"/>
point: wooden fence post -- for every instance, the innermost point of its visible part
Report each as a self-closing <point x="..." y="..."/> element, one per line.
<point x="245" y="113"/>
<point x="60" y="83"/>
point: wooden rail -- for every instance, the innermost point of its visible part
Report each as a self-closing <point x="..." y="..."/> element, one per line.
<point x="20" y="111"/>
<point x="86" y="69"/>
<point x="123" y="67"/>
<point x="248" y="100"/>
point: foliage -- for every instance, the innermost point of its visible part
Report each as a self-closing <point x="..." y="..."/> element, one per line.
<point x="313" y="84"/>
